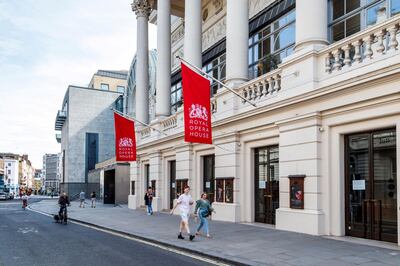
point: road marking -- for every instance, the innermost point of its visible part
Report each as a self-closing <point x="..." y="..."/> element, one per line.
<point x="170" y="249"/>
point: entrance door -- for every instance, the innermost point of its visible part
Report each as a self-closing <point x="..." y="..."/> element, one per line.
<point x="109" y="187"/>
<point x="266" y="184"/>
<point x="371" y="185"/>
<point x="209" y="176"/>
<point x="172" y="183"/>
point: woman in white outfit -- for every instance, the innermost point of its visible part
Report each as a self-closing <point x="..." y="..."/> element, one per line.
<point x="184" y="201"/>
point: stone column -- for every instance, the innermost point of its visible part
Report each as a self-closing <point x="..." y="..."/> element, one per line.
<point x="163" y="58"/>
<point x="142" y="10"/>
<point x="193" y="31"/>
<point x="237" y="42"/>
<point x="311" y="23"/>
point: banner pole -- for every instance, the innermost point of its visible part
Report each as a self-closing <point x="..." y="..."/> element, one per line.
<point x="140" y="122"/>
<point x="216" y="80"/>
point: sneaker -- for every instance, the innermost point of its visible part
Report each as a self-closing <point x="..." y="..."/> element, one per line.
<point x="191" y="237"/>
<point x="180" y="236"/>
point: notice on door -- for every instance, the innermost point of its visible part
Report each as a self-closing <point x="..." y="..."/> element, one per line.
<point x="359" y="184"/>
<point x="262" y="184"/>
<point x="208" y="184"/>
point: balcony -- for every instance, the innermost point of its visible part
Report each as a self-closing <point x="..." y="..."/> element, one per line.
<point x="58" y="137"/>
<point x="60" y="119"/>
<point x="360" y="56"/>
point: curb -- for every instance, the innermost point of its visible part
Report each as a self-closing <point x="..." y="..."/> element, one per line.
<point x="161" y="243"/>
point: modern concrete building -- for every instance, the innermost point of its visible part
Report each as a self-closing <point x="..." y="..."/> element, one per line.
<point x="85" y="122"/>
<point x="318" y="154"/>
<point x="51" y="172"/>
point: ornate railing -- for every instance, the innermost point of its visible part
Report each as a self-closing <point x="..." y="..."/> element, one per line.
<point x="169" y="123"/>
<point x="364" y="46"/>
<point x="145" y="132"/>
<point x="261" y="87"/>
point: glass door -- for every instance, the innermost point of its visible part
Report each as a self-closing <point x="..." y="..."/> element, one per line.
<point x="266" y="184"/>
<point x="209" y="176"/>
<point x="371" y="186"/>
<point x="172" y="183"/>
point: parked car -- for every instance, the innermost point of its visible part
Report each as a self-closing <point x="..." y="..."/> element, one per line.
<point x="11" y="196"/>
<point x="3" y="196"/>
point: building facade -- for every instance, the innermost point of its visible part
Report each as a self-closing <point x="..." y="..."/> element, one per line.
<point x="109" y="80"/>
<point x="87" y="134"/>
<point x="51" y="173"/>
<point x="318" y="153"/>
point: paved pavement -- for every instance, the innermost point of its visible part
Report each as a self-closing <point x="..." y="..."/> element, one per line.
<point x="29" y="238"/>
<point x="242" y="243"/>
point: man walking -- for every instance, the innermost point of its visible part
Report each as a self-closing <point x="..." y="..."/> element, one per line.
<point x="82" y="199"/>
<point x="184" y="201"/>
<point x="148" y="199"/>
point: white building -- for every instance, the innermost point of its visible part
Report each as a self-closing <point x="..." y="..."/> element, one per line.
<point x="325" y="79"/>
<point x="11" y="175"/>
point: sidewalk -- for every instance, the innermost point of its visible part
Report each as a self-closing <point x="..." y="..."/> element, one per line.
<point x="242" y="243"/>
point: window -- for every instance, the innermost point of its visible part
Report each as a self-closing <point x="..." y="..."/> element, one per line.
<point x="119" y="104"/>
<point x="216" y="69"/>
<point x="180" y="186"/>
<point x="176" y="97"/>
<point x="347" y="17"/>
<point x="132" y="187"/>
<point x="92" y="152"/>
<point x="9" y="164"/>
<point x="121" y="89"/>
<point x="104" y="86"/>
<point x="9" y="172"/>
<point x="224" y="190"/>
<point x="270" y="45"/>
<point x="153" y="186"/>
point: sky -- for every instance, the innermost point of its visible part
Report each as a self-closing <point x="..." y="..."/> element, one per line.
<point x="45" y="45"/>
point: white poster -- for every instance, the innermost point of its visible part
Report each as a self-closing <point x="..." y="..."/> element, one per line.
<point x="208" y="184"/>
<point x="359" y="184"/>
<point x="262" y="184"/>
<point x="173" y="185"/>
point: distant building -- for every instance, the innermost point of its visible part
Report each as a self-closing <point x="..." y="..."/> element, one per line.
<point x="86" y="126"/>
<point x="51" y="172"/>
<point x="18" y="172"/>
<point x="38" y="183"/>
<point x="109" y="80"/>
<point x="1" y="174"/>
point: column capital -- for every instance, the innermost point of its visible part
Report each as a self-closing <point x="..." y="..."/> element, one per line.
<point x="142" y="8"/>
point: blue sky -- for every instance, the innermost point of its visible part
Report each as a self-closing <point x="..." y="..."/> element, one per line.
<point x="45" y="45"/>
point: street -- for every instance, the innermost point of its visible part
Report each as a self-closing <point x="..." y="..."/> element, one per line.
<point x="30" y="238"/>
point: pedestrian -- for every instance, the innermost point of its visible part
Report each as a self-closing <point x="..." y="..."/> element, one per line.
<point x="184" y="201"/>
<point x="82" y="199"/>
<point x="24" y="198"/>
<point x="203" y="210"/>
<point x="148" y="200"/>
<point x="93" y="198"/>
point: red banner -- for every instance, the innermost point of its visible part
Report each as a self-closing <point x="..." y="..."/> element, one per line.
<point x="125" y="141"/>
<point x="196" y="106"/>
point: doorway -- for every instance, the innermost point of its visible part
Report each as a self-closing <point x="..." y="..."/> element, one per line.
<point x="371" y="185"/>
<point x="172" y="183"/>
<point x="266" y="184"/>
<point x="109" y="187"/>
<point x="209" y="176"/>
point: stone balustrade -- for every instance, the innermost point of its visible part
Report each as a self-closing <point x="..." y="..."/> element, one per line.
<point x="145" y="132"/>
<point x="169" y="122"/>
<point x="364" y="46"/>
<point x="261" y="87"/>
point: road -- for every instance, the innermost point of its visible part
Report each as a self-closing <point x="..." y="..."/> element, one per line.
<point x="30" y="238"/>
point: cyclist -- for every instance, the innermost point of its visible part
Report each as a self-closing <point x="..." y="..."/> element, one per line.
<point x="63" y="201"/>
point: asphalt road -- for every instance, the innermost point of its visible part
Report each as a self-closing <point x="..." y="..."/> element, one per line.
<point x="29" y="238"/>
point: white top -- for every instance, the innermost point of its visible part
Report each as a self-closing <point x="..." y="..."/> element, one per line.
<point x="184" y="203"/>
